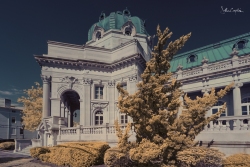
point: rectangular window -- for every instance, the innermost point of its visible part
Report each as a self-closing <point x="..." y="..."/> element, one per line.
<point x="21" y="131"/>
<point x="98" y="92"/>
<point x="13" y="131"/>
<point x="14" y="111"/>
<point x="124" y="119"/>
<point x="124" y="86"/>
<point x="214" y="111"/>
<point x="13" y="120"/>
<point x="244" y="110"/>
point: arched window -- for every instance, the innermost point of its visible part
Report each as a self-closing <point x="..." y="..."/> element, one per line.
<point x="240" y="44"/>
<point x="245" y="106"/>
<point x="99" y="118"/>
<point x="98" y="35"/>
<point x="128" y="31"/>
<point x="192" y="58"/>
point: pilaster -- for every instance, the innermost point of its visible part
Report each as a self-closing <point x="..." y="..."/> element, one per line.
<point x="55" y="106"/>
<point x="111" y="99"/>
<point x="85" y="108"/>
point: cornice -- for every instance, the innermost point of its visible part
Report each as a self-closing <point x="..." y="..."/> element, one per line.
<point x="83" y="64"/>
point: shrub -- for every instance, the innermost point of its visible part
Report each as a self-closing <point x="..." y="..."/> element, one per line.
<point x="75" y="154"/>
<point x="200" y="157"/>
<point x="7" y="145"/>
<point x="115" y="157"/>
<point x="37" y="151"/>
<point x="237" y="160"/>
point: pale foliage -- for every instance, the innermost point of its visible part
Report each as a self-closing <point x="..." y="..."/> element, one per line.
<point x="32" y="107"/>
<point x="237" y="160"/>
<point x="154" y="108"/>
<point x="199" y="157"/>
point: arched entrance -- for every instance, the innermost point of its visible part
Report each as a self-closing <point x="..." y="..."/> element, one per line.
<point x="70" y="102"/>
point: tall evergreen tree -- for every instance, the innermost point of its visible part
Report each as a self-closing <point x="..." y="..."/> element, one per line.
<point x="160" y="132"/>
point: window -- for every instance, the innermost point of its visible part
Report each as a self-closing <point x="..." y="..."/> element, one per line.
<point x="98" y="35"/>
<point x="21" y="131"/>
<point x="13" y="131"/>
<point x="98" y="92"/>
<point x="245" y="106"/>
<point x="13" y="120"/>
<point x="124" y="118"/>
<point x="192" y="58"/>
<point x="240" y="44"/>
<point x="217" y="107"/>
<point x="99" y="118"/>
<point x="128" y="31"/>
<point x="124" y="86"/>
<point x="13" y="111"/>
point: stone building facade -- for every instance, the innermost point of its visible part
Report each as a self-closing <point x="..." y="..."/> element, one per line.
<point x="84" y="77"/>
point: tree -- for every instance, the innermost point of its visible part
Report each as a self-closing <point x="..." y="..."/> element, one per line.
<point x="154" y="108"/>
<point x="32" y="112"/>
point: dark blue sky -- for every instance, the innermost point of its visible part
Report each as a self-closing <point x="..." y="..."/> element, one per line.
<point x="25" y="27"/>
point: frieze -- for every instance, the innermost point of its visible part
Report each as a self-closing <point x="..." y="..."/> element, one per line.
<point x="70" y="81"/>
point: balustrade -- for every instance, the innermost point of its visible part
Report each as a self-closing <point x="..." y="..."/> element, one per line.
<point x="229" y="123"/>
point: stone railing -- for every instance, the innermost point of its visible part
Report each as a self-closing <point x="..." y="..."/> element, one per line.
<point x="192" y="72"/>
<point x="229" y="123"/>
<point x="211" y="68"/>
<point x="221" y="66"/>
<point x="90" y="132"/>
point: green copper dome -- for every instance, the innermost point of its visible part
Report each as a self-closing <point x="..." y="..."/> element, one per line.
<point x="116" y="20"/>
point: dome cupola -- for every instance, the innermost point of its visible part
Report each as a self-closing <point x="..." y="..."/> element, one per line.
<point x="129" y="25"/>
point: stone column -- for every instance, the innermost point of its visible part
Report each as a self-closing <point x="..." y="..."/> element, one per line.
<point x="86" y="109"/>
<point x="69" y="117"/>
<point x="237" y="99"/>
<point x="111" y="99"/>
<point x="82" y="116"/>
<point x="46" y="94"/>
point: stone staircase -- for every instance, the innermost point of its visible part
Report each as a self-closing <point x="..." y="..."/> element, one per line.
<point x="24" y="151"/>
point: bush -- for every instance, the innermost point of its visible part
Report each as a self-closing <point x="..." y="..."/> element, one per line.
<point x="74" y="154"/>
<point x="200" y="157"/>
<point x="7" y="145"/>
<point x="114" y="157"/>
<point x="37" y="151"/>
<point x="237" y="160"/>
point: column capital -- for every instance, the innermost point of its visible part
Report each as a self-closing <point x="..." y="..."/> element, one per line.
<point x="86" y="81"/>
<point x="206" y="90"/>
<point x="46" y="78"/>
<point x="111" y="83"/>
<point x="238" y="85"/>
<point x="133" y="78"/>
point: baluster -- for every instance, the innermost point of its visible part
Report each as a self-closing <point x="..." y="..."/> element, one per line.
<point x="235" y="124"/>
<point x="227" y="125"/>
<point x="220" y="126"/>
